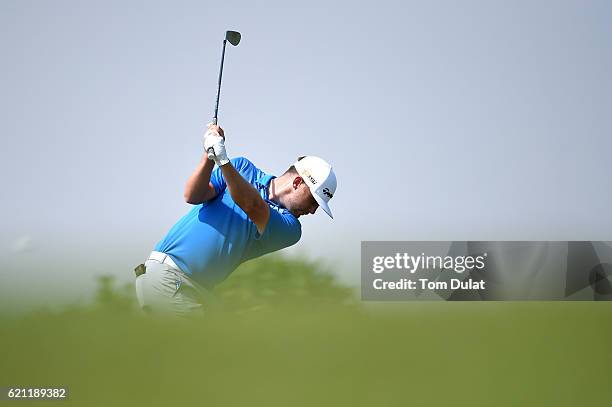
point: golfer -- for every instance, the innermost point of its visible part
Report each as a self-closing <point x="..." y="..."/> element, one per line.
<point x="239" y="213"/>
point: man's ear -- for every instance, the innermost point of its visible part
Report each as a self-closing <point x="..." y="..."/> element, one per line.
<point x="297" y="181"/>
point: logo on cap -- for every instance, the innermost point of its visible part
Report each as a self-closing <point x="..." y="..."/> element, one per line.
<point x="326" y="192"/>
<point x="310" y="177"/>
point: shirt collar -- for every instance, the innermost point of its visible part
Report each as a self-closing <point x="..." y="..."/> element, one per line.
<point x="262" y="183"/>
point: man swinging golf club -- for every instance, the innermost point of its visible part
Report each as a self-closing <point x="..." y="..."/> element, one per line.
<point x="239" y="213"/>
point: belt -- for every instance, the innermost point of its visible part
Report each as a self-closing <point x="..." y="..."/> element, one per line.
<point x="166" y="259"/>
<point x="163" y="258"/>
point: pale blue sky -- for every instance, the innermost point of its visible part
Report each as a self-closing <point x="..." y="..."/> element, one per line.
<point x="444" y="120"/>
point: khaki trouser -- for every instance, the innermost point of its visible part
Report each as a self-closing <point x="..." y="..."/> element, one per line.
<point x="163" y="289"/>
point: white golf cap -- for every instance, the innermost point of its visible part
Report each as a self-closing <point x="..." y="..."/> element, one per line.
<point x="320" y="178"/>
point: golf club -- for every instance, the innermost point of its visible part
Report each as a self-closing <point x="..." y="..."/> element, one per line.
<point x="234" y="38"/>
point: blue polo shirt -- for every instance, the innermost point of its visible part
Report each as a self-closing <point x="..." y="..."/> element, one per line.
<point x="215" y="237"/>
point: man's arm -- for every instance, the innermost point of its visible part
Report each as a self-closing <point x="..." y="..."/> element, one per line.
<point x="246" y="197"/>
<point x="199" y="188"/>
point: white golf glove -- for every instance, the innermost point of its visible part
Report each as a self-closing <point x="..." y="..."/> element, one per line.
<point x="214" y="145"/>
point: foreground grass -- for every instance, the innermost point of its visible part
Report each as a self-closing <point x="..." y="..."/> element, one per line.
<point x="273" y="351"/>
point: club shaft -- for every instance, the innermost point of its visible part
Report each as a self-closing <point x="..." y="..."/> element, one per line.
<point x="219" y="84"/>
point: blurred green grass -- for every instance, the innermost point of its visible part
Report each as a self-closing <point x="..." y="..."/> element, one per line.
<point x="287" y="333"/>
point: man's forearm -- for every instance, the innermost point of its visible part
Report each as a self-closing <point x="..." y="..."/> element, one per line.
<point x="198" y="189"/>
<point x="242" y="192"/>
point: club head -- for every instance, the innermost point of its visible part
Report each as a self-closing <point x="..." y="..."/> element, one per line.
<point x="233" y="37"/>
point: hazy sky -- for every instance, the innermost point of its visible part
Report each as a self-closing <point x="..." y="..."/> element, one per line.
<point x="443" y="120"/>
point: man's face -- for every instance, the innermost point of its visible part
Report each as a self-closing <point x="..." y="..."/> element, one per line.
<point x="301" y="202"/>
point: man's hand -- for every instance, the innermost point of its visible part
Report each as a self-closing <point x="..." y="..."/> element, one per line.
<point x="210" y="127"/>
<point x="214" y="144"/>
